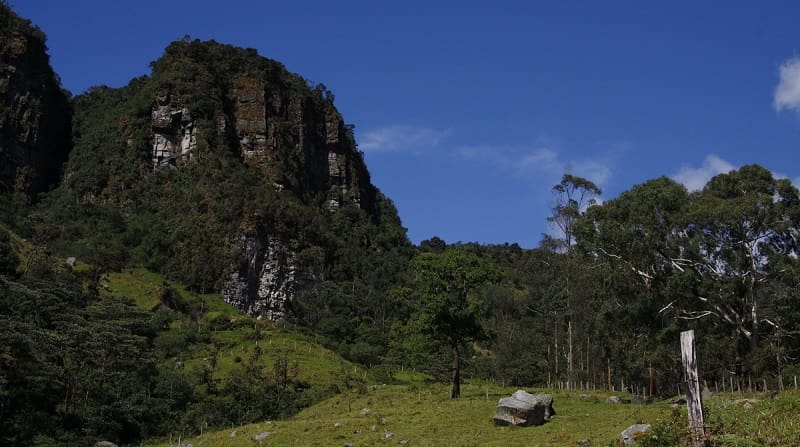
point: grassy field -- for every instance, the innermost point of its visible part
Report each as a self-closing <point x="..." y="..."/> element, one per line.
<point x="424" y="415"/>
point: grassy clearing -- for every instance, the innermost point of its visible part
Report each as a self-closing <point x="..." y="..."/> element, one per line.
<point x="203" y="343"/>
<point x="144" y="288"/>
<point x="425" y="415"/>
<point x="308" y="361"/>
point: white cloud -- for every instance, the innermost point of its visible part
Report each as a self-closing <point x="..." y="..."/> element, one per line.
<point x="402" y="138"/>
<point x="543" y="161"/>
<point x="549" y="161"/>
<point x="695" y="178"/>
<point x="787" y="93"/>
<point x="780" y="175"/>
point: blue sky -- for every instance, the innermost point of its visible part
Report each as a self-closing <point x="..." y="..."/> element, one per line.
<point x="469" y="112"/>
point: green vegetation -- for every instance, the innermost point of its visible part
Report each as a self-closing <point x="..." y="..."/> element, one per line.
<point x="425" y="415"/>
<point x="131" y="340"/>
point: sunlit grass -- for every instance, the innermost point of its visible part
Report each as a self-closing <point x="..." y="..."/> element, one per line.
<point x="425" y="415"/>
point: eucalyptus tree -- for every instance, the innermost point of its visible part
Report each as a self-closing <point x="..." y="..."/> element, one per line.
<point x="722" y="255"/>
<point x="636" y="241"/>
<point x="743" y="241"/>
<point x="573" y="197"/>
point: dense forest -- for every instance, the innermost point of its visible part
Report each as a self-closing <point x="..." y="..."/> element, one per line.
<point x="218" y="150"/>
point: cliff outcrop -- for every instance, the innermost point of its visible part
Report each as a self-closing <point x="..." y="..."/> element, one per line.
<point x="34" y="111"/>
<point x="222" y="169"/>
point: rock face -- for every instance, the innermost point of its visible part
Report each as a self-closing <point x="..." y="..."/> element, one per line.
<point x="174" y="139"/>
<point x="274" y="122"/>
<point x="269" y="278"/>
<point x="35" y="115"/>
<point x="525" y="409"/>
<point x="271" y="118"/>
<point x="628" y="436"/>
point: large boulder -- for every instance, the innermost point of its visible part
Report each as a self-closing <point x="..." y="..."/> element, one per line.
<point x="628" y="436"/>
<point x="523" y="408"/>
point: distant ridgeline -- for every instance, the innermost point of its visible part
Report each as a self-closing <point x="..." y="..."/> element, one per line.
<point x="221" y="170"/>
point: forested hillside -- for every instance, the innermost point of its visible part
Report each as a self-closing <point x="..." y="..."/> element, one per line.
<point x="205" y="249"/>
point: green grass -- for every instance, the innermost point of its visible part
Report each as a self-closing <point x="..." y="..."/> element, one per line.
<point x="144" y="287"/>
<point x="771" y="421"/>
<point x="234" y="345"/>
<point x="426" y="416"/>
<point x="309" y="362"/>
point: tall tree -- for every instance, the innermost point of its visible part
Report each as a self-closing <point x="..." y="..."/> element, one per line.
<point x="718" y="254"/>
<point x="574" y="195"/>
<point x="451" y="304"/>
<point x="743" y="235"/>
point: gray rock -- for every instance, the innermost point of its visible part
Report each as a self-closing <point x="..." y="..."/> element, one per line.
<point x="262" y="436"/>
<point x="628" y="436"/>
<point x="270" y="277"/>
<point x="614" y="400"/>
<point x="523" y="408"/>
<point x="71" y="262"/>
<point x="104" y="444"/>
<point x="364" y="411"/>
<point x="389" y="435"/>
<point x="403" y="442"/>
<point x="584" y="443"/>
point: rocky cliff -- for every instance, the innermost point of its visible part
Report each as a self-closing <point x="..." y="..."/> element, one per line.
<point x="270" y="118"/>
<point x="274" y="122"/>
<point x="231" y="165"/>
<point x="34" y="111"/>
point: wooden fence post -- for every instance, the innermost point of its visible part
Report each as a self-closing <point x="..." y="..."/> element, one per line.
<point x="693" y="396"/>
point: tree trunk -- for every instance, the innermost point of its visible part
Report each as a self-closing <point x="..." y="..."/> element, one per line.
<point x="570" y="365"/>
<point x="555" y="342"/>
<point x="456" y="392"/>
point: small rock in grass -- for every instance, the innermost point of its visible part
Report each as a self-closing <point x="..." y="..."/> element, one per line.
<point x="389" y="435"/>
<point x="403" y="442"/>
<point x="628" y="436"/>
<point x="364" y="411"/>
<point x="262" y="436"/>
